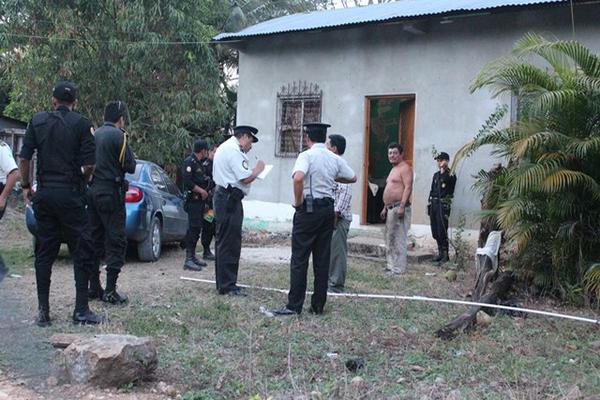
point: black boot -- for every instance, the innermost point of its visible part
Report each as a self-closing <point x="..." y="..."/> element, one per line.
<point x="208" y="255"/>
<point x="444" y="258"/>
<point x="439" y="256"/>
<point x="110" y="293"/>
<point x="43" y="317"/>
<point x="189" y="261"/>
<point x="88" y="317"/>
<point x="95" y="291"/>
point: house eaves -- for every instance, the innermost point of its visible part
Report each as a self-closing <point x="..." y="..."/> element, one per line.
<point x="398" y="10"/>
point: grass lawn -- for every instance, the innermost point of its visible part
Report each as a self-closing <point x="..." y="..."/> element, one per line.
<point x="223" y="347"/>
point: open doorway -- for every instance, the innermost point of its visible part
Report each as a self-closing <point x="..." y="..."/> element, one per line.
<point x="388" y="119"/>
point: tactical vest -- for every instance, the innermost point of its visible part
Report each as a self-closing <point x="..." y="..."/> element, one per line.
<point x="58" y="148"/>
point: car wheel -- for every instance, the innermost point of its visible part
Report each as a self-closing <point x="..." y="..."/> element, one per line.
<point x="150" y="248"/>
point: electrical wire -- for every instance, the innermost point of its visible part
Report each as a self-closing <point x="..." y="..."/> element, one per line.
<point x="158" y="43"/>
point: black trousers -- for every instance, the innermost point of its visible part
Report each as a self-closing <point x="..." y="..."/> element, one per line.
<point x="195" y="210"/>
<point x="61" y="216"/>
<point x="229" y="215"/>
<point x="106" y="209"/>
<point x="208" y="232"/>
<point x="311" y="233"/>
<point x="438" y="217"/>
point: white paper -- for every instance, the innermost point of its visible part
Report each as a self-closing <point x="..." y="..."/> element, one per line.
<point x="265" y="172"/>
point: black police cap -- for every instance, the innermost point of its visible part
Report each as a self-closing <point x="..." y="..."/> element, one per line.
<point x="250" y="130"/>
<point x="442" y="156"/>
<point x="316" y="127"/>
<point x="65" y="91"/>
<point x="200" y="145"/>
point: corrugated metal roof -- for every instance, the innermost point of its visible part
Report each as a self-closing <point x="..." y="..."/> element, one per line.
<point x="373" y="13"/>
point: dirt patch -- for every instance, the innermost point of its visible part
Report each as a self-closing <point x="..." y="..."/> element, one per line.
<point x="260" y="238"/>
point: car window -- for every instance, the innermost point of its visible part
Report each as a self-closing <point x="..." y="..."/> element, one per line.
<point x="136" y="175"/>
<point x="157" y="180"/>
<point x="171" y="187"/>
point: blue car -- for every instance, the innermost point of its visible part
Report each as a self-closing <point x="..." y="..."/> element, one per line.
<point x="154" y="211"/>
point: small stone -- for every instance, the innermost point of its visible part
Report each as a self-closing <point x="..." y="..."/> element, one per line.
<point x="355" y="363"/>
<point x="455" y="394"/>
<point x="596" y="345"/>
<point x="483" y="319"/>
<point x="315" y="395"/>
<point x="52" y="381"/>
<point x="573" y="394"/>
<point x="450" y="276"/>
<point x="357" y="381"/>
<point x="439" y="379"/>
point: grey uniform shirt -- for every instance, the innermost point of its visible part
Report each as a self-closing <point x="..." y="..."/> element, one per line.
<point x="7" y="161"/>
<point x="231" y="165"/>
<point x="321" y="167"/>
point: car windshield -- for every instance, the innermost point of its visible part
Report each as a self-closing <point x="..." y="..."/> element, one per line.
<point x="136" y="175"/>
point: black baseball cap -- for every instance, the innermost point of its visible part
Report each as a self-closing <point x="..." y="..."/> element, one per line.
<point x="250" y="130"/>
<point x="65" y="91"/>
<point x="442" y="156"/>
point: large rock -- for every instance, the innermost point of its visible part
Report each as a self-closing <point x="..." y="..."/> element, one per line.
<point x="109" y="360"/>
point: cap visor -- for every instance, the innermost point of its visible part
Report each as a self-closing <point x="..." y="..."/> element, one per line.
<point x="254" y="139"/>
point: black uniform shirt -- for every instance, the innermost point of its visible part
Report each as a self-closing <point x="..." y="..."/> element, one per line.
<point x="193" y="174"/>
<point x="64" y="142"/>
<point x="442" y="185"/>
<point x="207" y="164"/>
<point x="113" y="155"/>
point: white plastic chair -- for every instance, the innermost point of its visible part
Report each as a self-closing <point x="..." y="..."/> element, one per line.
<point x="491" y="249"/>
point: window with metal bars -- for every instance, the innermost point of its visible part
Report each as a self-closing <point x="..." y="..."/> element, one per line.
<point x="297" y="103"/>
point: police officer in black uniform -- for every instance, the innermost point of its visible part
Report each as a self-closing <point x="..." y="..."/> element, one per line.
<point x="208" y="222"/>
<point x="440" y="201"/>
<point x="197" y="186"/>
<point x="106" y="206"/>
<point x="64" y="142"/>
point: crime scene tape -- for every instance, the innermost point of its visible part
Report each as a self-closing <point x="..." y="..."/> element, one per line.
<point x="419" y="298"/>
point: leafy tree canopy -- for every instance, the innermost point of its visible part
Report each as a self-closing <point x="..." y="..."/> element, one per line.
<point x="154" y="55"/>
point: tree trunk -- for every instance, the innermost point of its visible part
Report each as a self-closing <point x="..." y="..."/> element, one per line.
<point x="486" y="275"/>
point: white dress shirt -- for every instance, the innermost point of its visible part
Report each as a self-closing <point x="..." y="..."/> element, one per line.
<point x="231" y="165"/>
<point x="321" y="167"/>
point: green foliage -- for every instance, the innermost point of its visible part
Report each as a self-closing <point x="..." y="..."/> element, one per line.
<point x="546" y="198"/>
<point x="463" y="256"/>
<point x="155" y="56"/>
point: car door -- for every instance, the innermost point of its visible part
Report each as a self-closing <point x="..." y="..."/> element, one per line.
<point x="169" y="211"/>
<point x="175" y="203"/>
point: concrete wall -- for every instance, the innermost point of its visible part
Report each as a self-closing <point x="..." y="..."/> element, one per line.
<point x="437" y="67"/>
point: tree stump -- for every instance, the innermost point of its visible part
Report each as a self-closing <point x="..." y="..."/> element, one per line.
<point x="489" y="287"/>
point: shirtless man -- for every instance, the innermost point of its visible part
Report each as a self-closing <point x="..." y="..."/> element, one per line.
<point x="396" y="211"/>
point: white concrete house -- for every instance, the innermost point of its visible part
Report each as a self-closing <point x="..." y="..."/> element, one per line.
<point x="392" y="72"/>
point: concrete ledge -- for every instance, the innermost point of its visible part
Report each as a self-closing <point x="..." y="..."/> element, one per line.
<point x="373" y="249"/>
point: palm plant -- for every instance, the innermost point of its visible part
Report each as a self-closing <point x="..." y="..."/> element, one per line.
<point x="550" y="197"/>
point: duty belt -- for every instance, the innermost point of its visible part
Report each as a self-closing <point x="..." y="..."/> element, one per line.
<point x="320" y="202"/>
